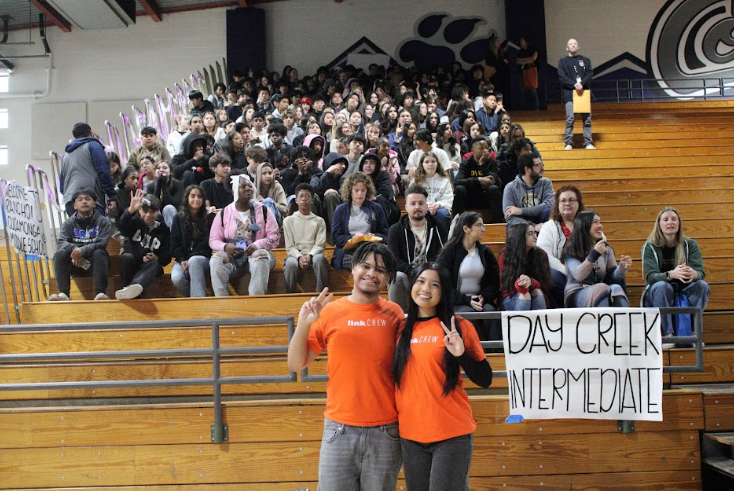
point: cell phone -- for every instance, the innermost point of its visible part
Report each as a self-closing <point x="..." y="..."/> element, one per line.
<point x="475" y="299"/>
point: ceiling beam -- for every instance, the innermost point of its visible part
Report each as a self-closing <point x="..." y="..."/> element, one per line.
<point x="51" y="13"/>
<point x="152" y="9"/>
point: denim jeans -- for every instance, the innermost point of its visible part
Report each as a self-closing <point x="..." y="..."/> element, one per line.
<point x="443" y="216"/>
<point x="438" y="466"/>
<point x="270" y="203"/>
<point x="662" y="294"/>
<point x="195" y="284"/>
<point x="570" y="117"/>
<point x="259" y="266"/>
<point x="599" y="295"/>
<point x="514" y="302"/>
<point x="169" y="213"/>
<point x="359" y="458"/>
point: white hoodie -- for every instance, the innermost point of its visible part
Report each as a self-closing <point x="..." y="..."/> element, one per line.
<point x="439" y="191"/>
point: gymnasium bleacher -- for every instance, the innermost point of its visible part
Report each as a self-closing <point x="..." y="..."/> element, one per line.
<point x="649" y="155"/>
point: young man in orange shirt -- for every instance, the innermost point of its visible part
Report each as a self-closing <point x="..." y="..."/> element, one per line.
<point x="360" y="449"/>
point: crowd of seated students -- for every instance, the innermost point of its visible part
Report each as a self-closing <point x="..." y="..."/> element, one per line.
<point x="327" y="155"/>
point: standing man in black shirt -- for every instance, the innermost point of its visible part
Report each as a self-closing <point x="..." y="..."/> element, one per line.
<point x="575" y="73"/>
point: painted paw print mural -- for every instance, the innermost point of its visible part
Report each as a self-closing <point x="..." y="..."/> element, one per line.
<point x="692" y="40"/>
<point x="441" y="39"/>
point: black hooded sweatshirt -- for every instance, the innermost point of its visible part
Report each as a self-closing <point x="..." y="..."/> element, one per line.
<point x="185" y="160"/>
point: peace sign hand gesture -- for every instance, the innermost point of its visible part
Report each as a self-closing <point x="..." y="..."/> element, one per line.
<point x="453" y="340"/>
<point x="311" y="310"/>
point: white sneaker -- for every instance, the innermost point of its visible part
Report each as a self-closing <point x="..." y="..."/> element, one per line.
<point x="129" y="292"/>
<point x="590" y="147"/>
<point x="59" y="297"/>
<point x="102" y="296"/>
<point x="568" y="147"/>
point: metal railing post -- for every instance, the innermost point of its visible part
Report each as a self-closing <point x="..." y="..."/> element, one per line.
<point x="8" y="249"/>
<point x="4" y="294"/>
<point x="218" y="429"/>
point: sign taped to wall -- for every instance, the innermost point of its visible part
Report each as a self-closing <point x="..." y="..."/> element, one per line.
<point x="23" y="221"/>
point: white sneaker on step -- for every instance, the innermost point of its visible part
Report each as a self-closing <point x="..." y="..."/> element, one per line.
<point x="129" y="292"/>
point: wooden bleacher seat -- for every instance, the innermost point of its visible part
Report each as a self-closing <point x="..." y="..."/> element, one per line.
<point x="646" y="154"/>
<point x="273" y="445"/>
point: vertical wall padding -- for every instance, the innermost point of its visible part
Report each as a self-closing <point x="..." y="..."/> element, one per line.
<point x="245" y="39"/>
<point x="526" y="18"/>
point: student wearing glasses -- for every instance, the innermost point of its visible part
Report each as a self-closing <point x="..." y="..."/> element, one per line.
<point x="556" y="232"/>
<point x="530" y="196"/>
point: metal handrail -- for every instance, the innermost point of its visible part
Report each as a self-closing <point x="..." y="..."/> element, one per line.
<point x="219" y="430"/>
<point x="696" y="339"/>
<point x="645" y="89"/>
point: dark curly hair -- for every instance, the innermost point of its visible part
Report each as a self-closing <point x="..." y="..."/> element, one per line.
<point x="196" y="223"/>
<point x="518" y="260"/>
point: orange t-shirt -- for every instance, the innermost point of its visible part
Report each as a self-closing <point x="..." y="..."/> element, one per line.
<point x="425" y="414"/>
<point x="361" y="340"/>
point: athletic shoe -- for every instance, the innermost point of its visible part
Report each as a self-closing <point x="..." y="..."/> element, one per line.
<point x="666" y="341"/>
<point x="568" y="147"/>
<point x="59" y="297"/>
<point x="102" y="296"/>
<point x="129" y="292"/>
<point x="590" y="147"/>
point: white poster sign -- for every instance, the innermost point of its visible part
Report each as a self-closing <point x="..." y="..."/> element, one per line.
<point x="584" y="363"/>
<point x="23" y="220"/>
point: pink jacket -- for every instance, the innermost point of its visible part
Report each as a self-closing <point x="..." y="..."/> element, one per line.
<point x="225" y="227"/>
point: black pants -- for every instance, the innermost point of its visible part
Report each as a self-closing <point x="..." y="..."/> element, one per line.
<point x="133" y="271"/>
<point x="474" y="196"/>
<point x="99" y="269"/>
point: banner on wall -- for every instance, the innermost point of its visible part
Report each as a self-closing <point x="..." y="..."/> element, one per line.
<point x="584" y="363"/>
<point x="23" y="221"/>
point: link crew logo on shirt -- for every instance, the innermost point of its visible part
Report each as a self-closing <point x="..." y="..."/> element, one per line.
<point x="374" y="322"/>
<point x="691" y="40"/>
<point x="424" y="339"/>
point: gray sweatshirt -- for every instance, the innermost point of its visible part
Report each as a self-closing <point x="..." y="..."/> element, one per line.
<point x="534" y="200"/>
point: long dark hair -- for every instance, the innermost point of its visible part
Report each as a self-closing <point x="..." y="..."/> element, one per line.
<point x="125" y="174"/>
<point x="195" y="222"/>
<point x="444" y="312"/>
<point x="466" y="219"/>
<point x="448" y="144"/>
<point x="406" y="146"/>
<point x="517" y="261"/>
<point x="580" y="243"/>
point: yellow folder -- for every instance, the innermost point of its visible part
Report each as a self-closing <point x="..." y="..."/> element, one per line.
<point x="582" y="103"/>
